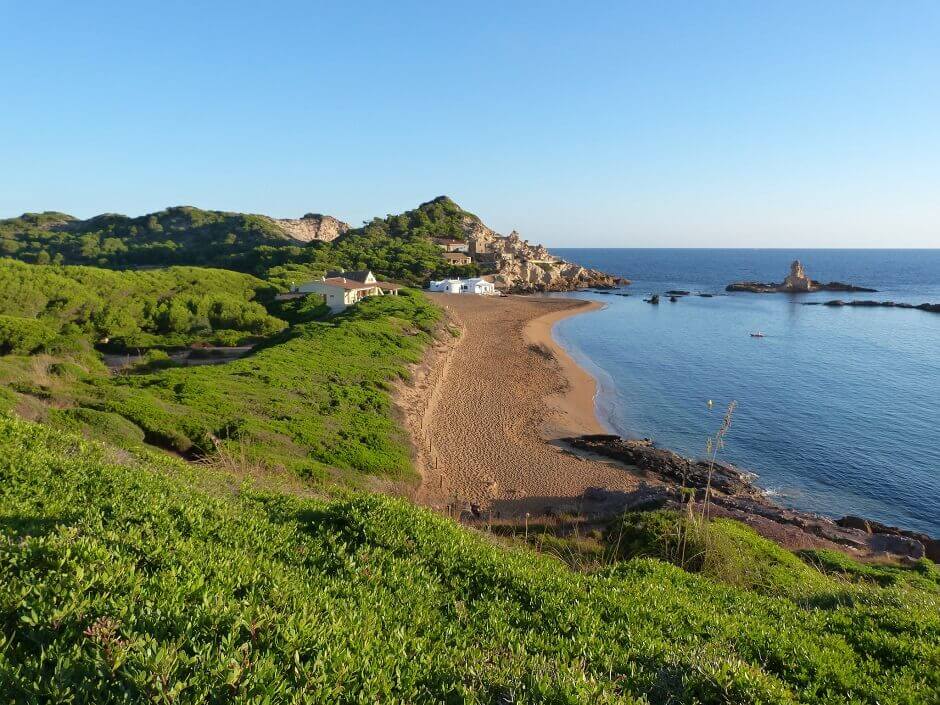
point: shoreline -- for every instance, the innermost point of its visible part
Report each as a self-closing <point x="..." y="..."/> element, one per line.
<point x="578" y="403"/>
<point x="753" y="504"/>
<point x="504" y="425"/>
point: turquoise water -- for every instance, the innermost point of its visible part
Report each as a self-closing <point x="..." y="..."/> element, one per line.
<point x="838" y="408"/>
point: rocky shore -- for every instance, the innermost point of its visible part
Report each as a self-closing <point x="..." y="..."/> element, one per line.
<point x="836" y="303"/>
<point x="518" y="266"/>
<point x="797" y="282"/>
<point x="734" y="495"/>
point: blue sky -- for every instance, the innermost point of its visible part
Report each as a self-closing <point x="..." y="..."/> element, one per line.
<point x="737" y="124"/>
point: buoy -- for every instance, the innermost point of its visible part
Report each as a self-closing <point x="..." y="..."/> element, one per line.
<point x="710" y="403"/>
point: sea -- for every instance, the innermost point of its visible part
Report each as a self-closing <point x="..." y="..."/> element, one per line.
<point x="838" y="409"/>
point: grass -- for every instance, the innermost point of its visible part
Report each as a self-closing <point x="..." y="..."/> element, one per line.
<point x="153" y="581"/>
<point x="313" y="400"/>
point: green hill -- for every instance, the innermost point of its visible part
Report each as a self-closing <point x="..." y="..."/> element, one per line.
<point x="397" y="246"/>
<point x="151" y="581"/>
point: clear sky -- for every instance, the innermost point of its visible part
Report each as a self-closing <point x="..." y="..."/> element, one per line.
<point x="738" y="124"/>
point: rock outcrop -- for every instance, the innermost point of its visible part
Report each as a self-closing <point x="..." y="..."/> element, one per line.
<point x="518" y="266"/>
<point x="837" y="303"/>
<point x="734" y="495"/>
<point x="312" y="227"/>
<point x="796" y="282"/>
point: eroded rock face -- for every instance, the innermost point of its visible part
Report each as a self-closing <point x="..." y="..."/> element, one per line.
<point x="797" y="280"/>
<point x="523" y="267"/>
<point x="313" y="226"/>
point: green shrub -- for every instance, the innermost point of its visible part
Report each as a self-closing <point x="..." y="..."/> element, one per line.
<point x="924" y="572"/>
<point x="723" y="549"/>
<point x="101" y="425"/>
<point x="153" y="581"/>
<point x="22" y="336"/>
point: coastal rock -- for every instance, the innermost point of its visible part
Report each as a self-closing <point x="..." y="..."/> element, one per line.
<point x="673" y="299"/>
<point x="931" y="547"/>
<point x="677" y="292"/>
<point x="654" y="299"/>
<point x="796" y="282"/>
<point x="518" y="266"/>
<point x="645" y="456"/>
<point x="866" y="303"/>
<point x="734" y="495"/>
<point x="854" y="522"/>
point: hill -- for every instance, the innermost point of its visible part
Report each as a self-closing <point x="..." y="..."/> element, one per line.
<point x="399" y="247"/>
<point x="146" y="580"/>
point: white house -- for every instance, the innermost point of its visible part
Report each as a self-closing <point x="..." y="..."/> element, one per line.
<point x="347" y="288"/>
<point x="476" y="285"/>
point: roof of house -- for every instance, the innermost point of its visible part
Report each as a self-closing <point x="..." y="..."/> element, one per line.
<point x="456" y="255"/>
<point x="448" y="241"/>
<point x="345" y="283"/>
<point x="387" y="286"/>
<point x="358" y="275"/>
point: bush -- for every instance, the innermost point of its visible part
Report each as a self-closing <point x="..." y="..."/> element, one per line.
<point x="23" y="336"/>
<point x="722" y="549"/>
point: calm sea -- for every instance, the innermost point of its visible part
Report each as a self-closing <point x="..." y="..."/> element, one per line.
<point x="838" y="408"/>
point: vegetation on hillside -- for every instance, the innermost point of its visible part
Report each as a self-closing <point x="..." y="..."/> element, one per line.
<point x="313" y="399"/>
<point x="46" y="307"/>
<point x="396" y="247"/>
<point x="151" y="581"/>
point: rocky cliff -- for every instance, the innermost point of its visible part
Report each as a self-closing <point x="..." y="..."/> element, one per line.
<point x="313" y="226"/>
<point x="519" y="266"/>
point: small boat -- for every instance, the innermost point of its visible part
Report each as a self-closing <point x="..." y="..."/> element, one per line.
<point x="758" y="334"/>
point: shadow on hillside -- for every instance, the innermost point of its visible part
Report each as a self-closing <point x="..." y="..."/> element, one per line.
<point x="595" y="503"/>
<point x="21" y="525"/>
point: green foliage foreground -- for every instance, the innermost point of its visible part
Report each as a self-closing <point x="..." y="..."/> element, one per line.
<point x="152" y="581"/>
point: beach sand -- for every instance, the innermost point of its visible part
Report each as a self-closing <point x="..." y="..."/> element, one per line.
<point x="487" y="408"/>
<point x="489" y="404"/>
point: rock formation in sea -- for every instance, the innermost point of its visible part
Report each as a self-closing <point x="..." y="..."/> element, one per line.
<point x="837" y="303"/>
<point x="796" y="282"/>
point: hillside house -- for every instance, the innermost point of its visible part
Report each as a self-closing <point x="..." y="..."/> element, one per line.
<point x="449" y="245"/>
<point x="343" y="289"/>
<point x="457" y="258"/>
<point x="475" y="285"/>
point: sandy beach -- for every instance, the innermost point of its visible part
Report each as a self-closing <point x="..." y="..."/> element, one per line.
<point x="488" y="406"/>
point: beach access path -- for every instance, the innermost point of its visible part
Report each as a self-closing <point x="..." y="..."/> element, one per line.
<point x="486" y="410"/>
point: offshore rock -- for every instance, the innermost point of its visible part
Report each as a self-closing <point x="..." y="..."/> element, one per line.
<point x="796" y="282"/>
<point x="837" y="303"/>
